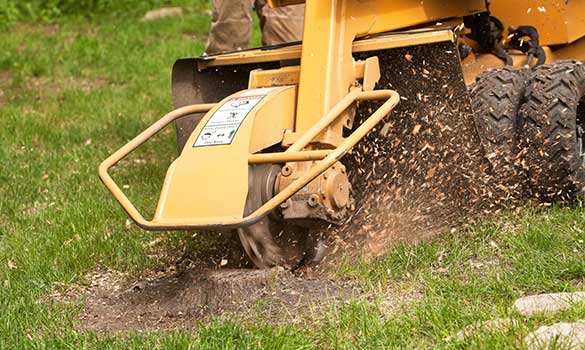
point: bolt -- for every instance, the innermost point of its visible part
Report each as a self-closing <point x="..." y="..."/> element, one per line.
<point x="287" y="171"/>
<point x="285" y="204"/>
<point x="313" y="200"/>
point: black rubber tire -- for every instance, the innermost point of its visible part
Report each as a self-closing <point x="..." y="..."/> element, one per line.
<point x="553" y="118"/>
<point x="497" y="96"/>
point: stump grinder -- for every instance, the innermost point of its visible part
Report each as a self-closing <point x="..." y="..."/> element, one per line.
<point x="369" y="119"/>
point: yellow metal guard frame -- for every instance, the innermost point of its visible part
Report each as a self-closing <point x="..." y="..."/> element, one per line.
<point x="292" y="154"/>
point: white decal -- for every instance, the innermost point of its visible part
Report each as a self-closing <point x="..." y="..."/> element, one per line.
<point x="223" y="125"/>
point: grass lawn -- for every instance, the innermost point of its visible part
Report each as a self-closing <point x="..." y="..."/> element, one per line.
<point x="73" y="92"/>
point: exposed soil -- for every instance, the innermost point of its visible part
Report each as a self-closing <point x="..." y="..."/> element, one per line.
<point x="46" y="30"/>
<point x="5" y="82"/>
<point x="178" y="299"/>
<point x="45" y="87"/>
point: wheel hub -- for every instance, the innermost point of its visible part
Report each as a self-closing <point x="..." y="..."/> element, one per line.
<point x="273" y="241"/>
<point x="325" y="200"/>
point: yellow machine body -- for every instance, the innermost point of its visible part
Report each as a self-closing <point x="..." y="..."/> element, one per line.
<point x="302" y="110"/>
<point x="220" y="163"/>
<point x="558" y="22"/>
<point x="306" y="117"/>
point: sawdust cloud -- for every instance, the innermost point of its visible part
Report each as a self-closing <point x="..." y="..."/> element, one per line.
<point x="423" y="170"/>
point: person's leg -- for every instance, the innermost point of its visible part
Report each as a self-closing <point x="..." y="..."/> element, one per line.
<point x="231" y="25"/>
<point x="280" y="25"/>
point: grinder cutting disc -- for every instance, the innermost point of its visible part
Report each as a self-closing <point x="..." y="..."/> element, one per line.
<point x="272" y="241"/>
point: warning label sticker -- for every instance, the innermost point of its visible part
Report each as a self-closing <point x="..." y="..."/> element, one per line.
<point x="223" y="125"/>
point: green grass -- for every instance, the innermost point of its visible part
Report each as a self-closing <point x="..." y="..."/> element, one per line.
<point x="75" y="94"/>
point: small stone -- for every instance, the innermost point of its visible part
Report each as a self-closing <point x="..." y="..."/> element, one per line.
<point x="547" y="303"/>
<point x="137" y="287"/>
<point x="568" y="336"/>
<point x="162" y="13"/>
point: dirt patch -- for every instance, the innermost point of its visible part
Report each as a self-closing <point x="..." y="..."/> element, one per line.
<point x="177" y="299"/>
<point x="46" y="30"/>
<point x="45" y="87"/>
<point x="6" y="79"/>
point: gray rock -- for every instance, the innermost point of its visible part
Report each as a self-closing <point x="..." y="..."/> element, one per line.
<point x="547" y="303"/>
<point x="162" y="13"/>
<point x="567" y="336"/>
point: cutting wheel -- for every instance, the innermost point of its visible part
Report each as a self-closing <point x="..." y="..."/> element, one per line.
<point x="272" y="241"/>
